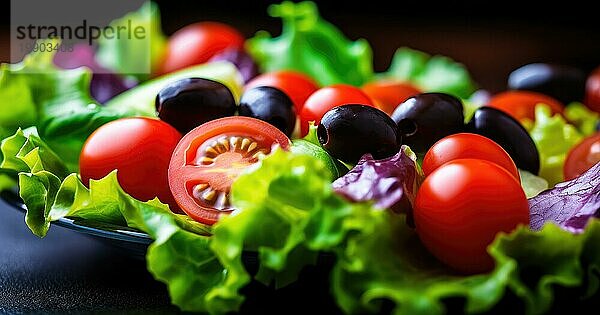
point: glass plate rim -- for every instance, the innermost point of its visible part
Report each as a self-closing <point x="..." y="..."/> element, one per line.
<point x="107" y="230"/>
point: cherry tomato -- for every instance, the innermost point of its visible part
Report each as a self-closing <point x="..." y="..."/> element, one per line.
<point x="467" y="146"/>
<point x="139" y="149"/>
<point x="462" y="206"/>
<point x="210" y="157"/>
<point x="521" y="104"/>
<point x="592" y="90"/>
<point x="197" y="43"/>
<point x="296" y="85"/>
<point x="327" y="98"/>
<point x="387" y="95"/>
<point x="582" y="157"/>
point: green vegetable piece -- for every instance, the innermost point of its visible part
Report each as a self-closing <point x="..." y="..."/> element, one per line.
<point x="139" y="57"/>
<point x="311" y="146"/>
<point x="301" y="146"/>
<point x="378" y="256"/>
<point x="141" y="98"/>
<point x="430" y="73"/>
<point x="289" y="215"/>
<point x="582" y="117"/>
<point x="313" y="46"/>
<point x="54" y="100"/>
<point x="311" y="136"/>
<point x="540" y="264"/>
<point x="18" y="109"/>
<point x="469" y="109"/>
<point x="554" y="137"/>
<point x="26" y="152"/>
<point x="6" y="182"/>
<point x="532" y="185"/>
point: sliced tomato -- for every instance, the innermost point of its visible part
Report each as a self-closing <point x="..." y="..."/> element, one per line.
<point x="210" y="157"/>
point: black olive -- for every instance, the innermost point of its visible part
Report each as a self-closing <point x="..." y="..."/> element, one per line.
<point x="426" y="118"/>
<point x="349" y="131"/>
<point x="188" y="103"/>
<point x="562" y="82"/>
<point x="271" y="105"/>
<point x="509" y="134"/>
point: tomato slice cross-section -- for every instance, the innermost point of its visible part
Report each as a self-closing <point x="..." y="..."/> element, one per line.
<point x="209" y="158"/>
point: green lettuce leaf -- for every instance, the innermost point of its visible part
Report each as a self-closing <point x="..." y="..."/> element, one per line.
<point x="180" y="250"/>
<point x="582" y="117"/>
<point x="141" y="98"/>
<point x="313" y="46"/>
<point x="54" y="100"/>
<point x="469" y="109"/>
<point x="554" y="137"/>
<point x="6" y="182"/>
<point x="289" y="215"/>
<point x="137" y="57"/>
<point x="378" y="256"/>
<point x="51" y="192"/>
<point x="532" y="185"/>
<point x="430" y="73"/>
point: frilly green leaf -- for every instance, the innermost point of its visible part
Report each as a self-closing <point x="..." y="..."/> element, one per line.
<point x="554" y="137"/>
<point x="313" y="46"/>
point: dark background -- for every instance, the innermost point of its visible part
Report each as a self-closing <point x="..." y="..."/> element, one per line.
<point x="68" y="273"/>
<point x="491" y="38"/>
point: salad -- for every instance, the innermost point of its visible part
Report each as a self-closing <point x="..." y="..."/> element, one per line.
<point x="422" y="188"/>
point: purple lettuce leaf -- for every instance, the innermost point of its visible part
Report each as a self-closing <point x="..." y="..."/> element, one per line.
<point x="105" y="84"/>
<point x="390" y="183"/>
<point x="570" y="204"/>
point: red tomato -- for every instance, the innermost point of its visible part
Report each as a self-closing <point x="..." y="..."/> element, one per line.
<point x="462" y="206"/>
<point x="592" y="90"/>
<point x="387" y="95"/>
<point x="582" y="157"/>
<point x="210" y="157"/>
<point x="296" y="85"/>
<point x="521" y="104"/>
<point x="327" y="98"/>
<point x="467" y="146"/>
<point x="197" y="43"/>
<point x="139" y="149"/>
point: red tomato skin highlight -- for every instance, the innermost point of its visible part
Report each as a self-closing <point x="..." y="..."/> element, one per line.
<point x="139" y="149"/>
<point x="197" y="43"/>
<point x="467" y="146"/>
<point x="582" y="157"/>
<point x="592" y="91"/>
<point x="462" y="206"/>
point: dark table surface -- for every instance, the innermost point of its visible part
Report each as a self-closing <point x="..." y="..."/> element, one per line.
<point x="70" y="273"/>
